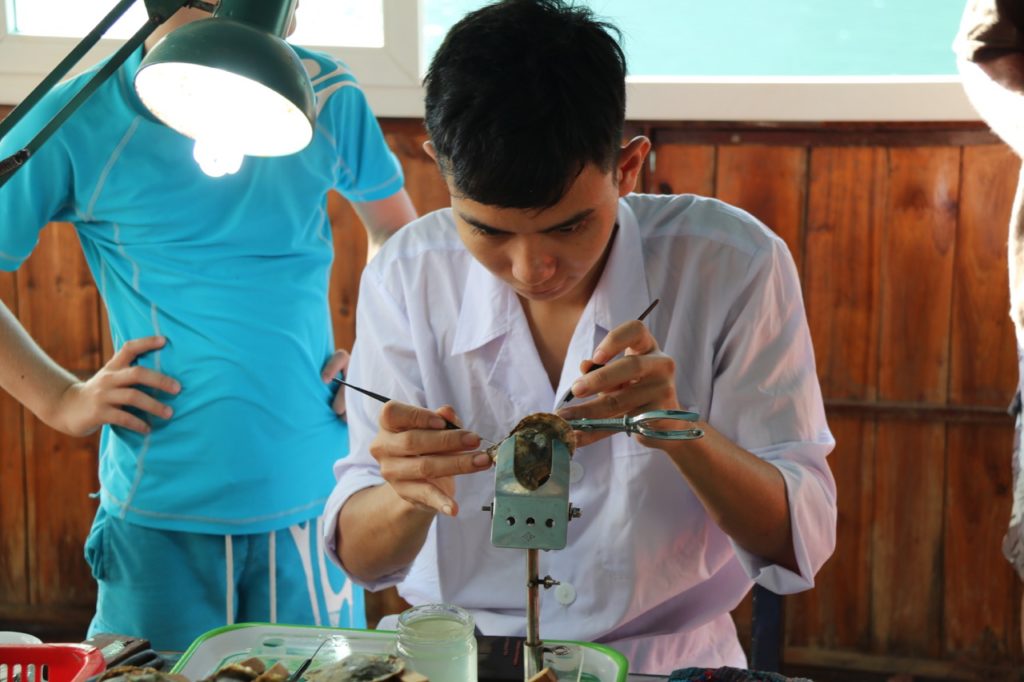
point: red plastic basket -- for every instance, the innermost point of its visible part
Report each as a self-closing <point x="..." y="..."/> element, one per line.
<point x="49" y="662"/>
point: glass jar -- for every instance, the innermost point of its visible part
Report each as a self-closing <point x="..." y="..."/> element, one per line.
<point x="438" y="640"/>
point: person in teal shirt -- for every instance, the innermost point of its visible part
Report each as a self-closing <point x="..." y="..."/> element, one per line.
<point x="219" y="421"/>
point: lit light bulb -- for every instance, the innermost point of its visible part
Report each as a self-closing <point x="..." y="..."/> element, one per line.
<point x="217" y="159"/>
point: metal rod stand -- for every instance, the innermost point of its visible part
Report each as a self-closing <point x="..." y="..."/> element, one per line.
<point x="533" y="661"/>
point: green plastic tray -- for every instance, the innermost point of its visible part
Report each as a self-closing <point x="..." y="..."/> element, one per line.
<point x="292" y="644"/>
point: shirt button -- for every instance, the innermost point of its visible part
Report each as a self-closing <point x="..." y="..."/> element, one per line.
<point x="575" y="471"/>
<point x="565" y="593"/>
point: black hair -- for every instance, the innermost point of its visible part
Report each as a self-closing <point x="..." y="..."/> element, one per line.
<point x="521" y="96"/>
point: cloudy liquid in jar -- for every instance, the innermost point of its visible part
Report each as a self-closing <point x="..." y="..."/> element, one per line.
<point x="437" y="640"/>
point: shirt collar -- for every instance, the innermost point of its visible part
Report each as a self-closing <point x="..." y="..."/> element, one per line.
<point x="621" y="293"/>
<point x="486" y="310"/>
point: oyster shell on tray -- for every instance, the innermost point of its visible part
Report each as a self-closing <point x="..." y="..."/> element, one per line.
<point x="360" y="668"/>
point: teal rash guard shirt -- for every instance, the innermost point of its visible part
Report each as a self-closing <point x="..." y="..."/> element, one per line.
<point x="233" y="271"/>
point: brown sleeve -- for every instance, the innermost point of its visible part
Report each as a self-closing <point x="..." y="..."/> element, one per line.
<point x="990" y="28"/>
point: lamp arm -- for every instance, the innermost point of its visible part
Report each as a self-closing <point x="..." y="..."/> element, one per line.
<point x="159" y="11"/>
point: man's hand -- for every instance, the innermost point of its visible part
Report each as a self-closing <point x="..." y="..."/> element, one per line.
<point x="338" y="362"/>
<point x="643" y="379"/>
<point x="87" y="405"/>
<point x="420" y="458"/>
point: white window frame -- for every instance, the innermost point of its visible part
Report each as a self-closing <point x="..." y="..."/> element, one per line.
<point x="390" y="76"/>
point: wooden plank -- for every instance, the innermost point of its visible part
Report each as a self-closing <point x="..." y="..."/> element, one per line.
<point x="906" y="555"/>
<point x="916" y="294"/>
<point x="919" y="411"/>
<point x="917" y="274"/>
<point x="836" y="613"/>
<point x="771" y="183"/>
<point x="845" y="218"/>
<point x="981" y="608"/>
<point x="423" y="181"/>
<point x="983" y="347"/>
<point x="54" y="623"/>
<point x="841" y="268"/>
<point x="828" y="134"/>
<point x="59" y="306"/>
<point x="898" y="668"/>
<point x="982" y="592"/>
<point x="13" y="523"/>
<point x="681" y="169"/>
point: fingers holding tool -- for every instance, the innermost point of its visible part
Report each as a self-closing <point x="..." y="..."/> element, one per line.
<point x="420" y="452"/>
<point x="627" y="375"/>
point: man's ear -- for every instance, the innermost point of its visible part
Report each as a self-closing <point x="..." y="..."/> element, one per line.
<point x="431" y="151"/>
<point x="631" y="162"/>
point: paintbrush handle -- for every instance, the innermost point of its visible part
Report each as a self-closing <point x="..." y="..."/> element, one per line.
<point x="377" y="396"/>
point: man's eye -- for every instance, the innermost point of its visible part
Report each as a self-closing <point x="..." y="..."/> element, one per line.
<point x="486" y="231"/>
<point x="569" y="229"/>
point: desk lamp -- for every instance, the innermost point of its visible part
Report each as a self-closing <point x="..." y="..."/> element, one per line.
<point x="229" y="82"/>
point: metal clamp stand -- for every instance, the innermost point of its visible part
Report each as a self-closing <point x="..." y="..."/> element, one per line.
<point x="531" y="515"/>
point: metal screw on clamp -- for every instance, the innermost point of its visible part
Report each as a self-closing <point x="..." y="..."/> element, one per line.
<point x="547" y="582"/>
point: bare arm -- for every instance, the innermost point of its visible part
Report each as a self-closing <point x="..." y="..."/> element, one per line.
<point x="76" y="407"/>
<point x="763" y="528"/>
<point x="384" y="217"/>
<point x="27" y="372"/>
<point x="380" y="533"/>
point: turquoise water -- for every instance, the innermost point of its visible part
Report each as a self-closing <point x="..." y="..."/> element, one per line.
<point x="764" y="37"/>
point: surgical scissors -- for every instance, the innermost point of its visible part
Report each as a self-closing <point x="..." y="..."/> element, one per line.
<point x="638" y="423"/>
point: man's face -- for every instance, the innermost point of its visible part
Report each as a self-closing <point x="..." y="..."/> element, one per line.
<point x="555" y="254"/>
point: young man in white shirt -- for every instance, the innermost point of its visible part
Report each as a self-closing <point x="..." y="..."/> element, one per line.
<point x="495" y="307"/>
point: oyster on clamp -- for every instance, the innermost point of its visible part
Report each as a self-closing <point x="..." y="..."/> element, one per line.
<point x="531" y="461"/>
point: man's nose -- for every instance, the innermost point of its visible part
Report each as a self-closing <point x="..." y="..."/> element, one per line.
<point x="533" y="265"/>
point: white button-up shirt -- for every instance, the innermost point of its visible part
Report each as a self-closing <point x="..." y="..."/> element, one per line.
<point x="651" y="574"/>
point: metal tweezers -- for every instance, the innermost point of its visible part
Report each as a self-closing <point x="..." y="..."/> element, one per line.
<point x="639" y="424"/>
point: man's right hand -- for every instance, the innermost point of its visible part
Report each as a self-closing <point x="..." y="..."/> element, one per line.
<point x="420" y="458"/>
<point x="87" y="405"/>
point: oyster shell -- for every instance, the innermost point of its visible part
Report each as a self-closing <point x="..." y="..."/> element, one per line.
<point x="249" y="670"/>
<point x="359" y="668"/>
<point x="531" y="461"/>
<point x="132" y="673"/>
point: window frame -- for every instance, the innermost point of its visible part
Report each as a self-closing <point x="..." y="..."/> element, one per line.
<point x="390" y="76"/>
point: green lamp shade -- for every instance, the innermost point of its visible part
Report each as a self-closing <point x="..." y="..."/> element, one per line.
<point x="224" y="82"/>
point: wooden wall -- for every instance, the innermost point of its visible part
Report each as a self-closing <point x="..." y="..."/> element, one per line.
<point x="899" y="233"/>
